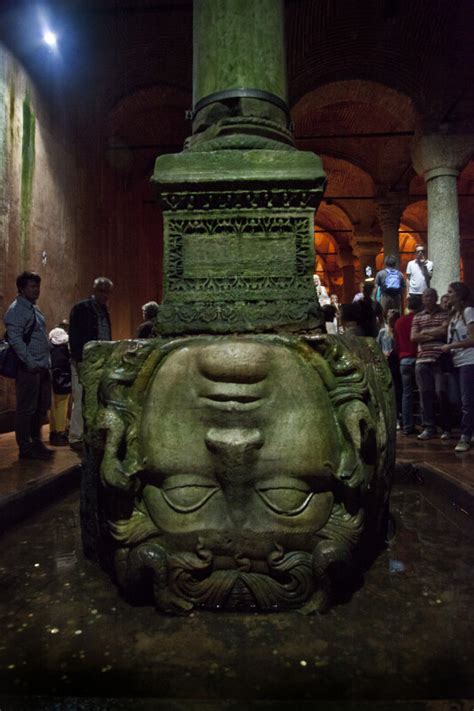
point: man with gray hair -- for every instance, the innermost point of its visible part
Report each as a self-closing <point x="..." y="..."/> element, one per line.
<point x="89" y="320"/>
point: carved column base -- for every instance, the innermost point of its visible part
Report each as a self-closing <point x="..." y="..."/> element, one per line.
<point x="239" y="247"/>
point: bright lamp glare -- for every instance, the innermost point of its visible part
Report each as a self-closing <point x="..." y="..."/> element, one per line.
<point x="50" y="38"/>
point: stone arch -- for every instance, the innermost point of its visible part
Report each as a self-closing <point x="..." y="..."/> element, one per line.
<point x="143" y="124"/>
<point x="336" y="117"/>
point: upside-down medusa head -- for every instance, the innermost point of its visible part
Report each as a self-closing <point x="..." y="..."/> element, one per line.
<point x="247" y="466"/>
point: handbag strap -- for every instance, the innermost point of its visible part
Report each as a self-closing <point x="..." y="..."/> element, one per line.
<point x="29" y="333"/>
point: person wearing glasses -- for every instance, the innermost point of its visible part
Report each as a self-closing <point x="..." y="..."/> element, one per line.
<point x="419" y="272"/>
<point x="461" y="346"/>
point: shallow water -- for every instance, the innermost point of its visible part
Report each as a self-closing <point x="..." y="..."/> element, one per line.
<point x="407" y="633"/>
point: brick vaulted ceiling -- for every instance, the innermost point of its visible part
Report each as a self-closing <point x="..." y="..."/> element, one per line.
<point x="363" y="76"/>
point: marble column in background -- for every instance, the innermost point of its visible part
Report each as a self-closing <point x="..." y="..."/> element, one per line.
<point x="366" y="247"/>
<point x="389" y="211"/>
<point x="439" y="157"/>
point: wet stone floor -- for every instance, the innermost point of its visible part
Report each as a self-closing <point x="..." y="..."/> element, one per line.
<point x="407" y="633"/>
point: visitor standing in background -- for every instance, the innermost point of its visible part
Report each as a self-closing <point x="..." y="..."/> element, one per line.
<point x="61" y="384"/>
<point x="429" y="329"/>
<point x="386" y="341"/>
<point x="89" y="321"/>
<point x="461" y="346"/>
<point x="444" y="303"/>
<point x="371" y="313"/>
<point x="419" y="272"/>
<point x="150" y="312"/>
<point x="407" y="350"/>
<point x="390" y="284"/>
<point x="26" y="331"/>
<point x="321" y="292"/>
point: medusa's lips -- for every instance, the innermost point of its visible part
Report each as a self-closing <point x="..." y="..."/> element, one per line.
<point x="232" y="397"/>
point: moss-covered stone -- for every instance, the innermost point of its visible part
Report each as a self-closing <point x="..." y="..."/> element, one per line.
<point x="237" y="472"/>
<point x="27" y="173"/>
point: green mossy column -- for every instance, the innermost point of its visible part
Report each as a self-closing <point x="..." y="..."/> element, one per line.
<point x="238" y="44"/>
<point x="250" y="451"/>
<point x="239" y="201"/>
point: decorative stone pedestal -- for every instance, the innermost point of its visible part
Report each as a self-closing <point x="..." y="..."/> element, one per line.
<point x="239" y="242"/>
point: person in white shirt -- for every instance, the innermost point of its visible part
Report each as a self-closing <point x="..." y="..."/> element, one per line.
<point x="461" y="345"/>
<point x="321" y="293"/>
<point x="419" y="272"/>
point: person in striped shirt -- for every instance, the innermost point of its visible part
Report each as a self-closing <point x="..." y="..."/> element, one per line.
<point x="429" y="330"/>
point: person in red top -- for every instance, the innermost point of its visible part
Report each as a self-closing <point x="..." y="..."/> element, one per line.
<point x="407" y="350"/>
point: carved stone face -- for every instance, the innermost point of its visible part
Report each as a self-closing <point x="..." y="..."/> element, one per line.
<point x="240" y="441"/>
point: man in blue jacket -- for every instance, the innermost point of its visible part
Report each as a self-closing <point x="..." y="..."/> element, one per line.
<point x="27" y="336"/>
<point x="390" y="284"/>
<point x="89" y="320"/>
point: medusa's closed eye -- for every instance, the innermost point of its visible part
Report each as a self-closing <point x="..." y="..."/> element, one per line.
<point x="186" y="494"/>
<point x="286" y="496"/>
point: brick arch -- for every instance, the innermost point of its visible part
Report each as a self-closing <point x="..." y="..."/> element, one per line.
<point x="326" y="254"/>
<point x="403" y="44"/>
<point x="143" y="125"/>
<point x="151" y="113"/>
<point x="331" y="119"/>
<point x="332" y="216"/>
<point x="383" y="101"/>
<point x="348" y="179"/>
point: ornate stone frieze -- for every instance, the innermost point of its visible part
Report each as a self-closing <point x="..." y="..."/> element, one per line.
<point x="237" y="269"/>
<point x="270" y="198"/>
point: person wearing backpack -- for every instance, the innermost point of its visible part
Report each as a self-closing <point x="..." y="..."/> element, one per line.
<point x="390" y="285"/>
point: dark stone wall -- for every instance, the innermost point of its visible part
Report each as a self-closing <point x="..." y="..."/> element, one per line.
<point x="68" y="214"/>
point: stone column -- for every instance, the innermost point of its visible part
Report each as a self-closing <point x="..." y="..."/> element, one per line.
<point x="239" y="201"/>
<point x="389" y="210"/>
<point x="239" y="64"/>
<point x="439" y="158"/>
<point x="366" y="247"/>
<point x="346" y="264"/>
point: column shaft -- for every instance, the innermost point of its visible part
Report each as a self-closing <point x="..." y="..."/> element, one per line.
<point x="238" y="44"/>
<point x="390" y="241"/>
<point x="443" y="231"/>
<point x="348" y="283"/>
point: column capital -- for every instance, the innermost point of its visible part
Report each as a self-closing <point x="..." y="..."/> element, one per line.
<point x="365" y="242"/>
<point x="389" y="208"/>
<point x="436" y="154"/>
<point x="345" y="258"/>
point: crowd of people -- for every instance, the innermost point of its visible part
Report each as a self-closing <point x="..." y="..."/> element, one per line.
<point x="430" y="346"/>
<point x="48" y="365"/>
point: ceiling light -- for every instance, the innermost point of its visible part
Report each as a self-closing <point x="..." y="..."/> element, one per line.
<point x="50" y="39"/>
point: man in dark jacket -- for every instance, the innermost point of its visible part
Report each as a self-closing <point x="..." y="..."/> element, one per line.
<point x="89" y="321"/>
